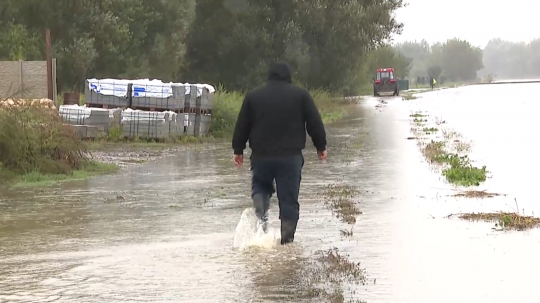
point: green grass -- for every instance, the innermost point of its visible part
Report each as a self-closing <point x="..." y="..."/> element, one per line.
<point x="37" y="179"/>
<point x="461" y="172"/>
<point x="227" y="105"/>
<point x="409" y="96"/>
<point x="430" y="130"/>
<point x="459" y="169"/>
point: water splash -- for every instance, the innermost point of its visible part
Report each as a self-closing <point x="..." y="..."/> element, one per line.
<point x="249" y="233"/>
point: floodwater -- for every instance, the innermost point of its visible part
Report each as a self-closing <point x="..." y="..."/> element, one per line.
<point x="164" y="231"/>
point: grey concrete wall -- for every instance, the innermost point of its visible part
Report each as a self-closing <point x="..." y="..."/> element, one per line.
<point x="23" y="79"/>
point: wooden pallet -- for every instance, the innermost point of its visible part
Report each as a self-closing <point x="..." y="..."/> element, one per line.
<point x="104" y="106"/>
<point x="186" y="110"/>
<point x="95" y="105"/>
<point x="197" y="111"/>
<point x="204" y="111"/>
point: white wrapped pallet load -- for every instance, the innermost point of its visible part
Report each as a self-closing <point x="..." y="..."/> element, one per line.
<point x="142" y="87"/>
<point x="82" y="115"/>
<point x="150" y="125"/>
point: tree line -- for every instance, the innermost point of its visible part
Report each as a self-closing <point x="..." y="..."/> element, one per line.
<point x="512" y="60"/>
<point x="456" y="60"/>
<point x="334" y="45"/>
<point x="222" y="42"/>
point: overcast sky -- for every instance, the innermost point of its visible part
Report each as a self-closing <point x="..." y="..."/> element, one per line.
<point x="477" y="21"/>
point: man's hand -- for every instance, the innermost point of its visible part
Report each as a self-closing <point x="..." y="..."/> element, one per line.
<point x="322" y="155"/>
<point x="238" y="160"/>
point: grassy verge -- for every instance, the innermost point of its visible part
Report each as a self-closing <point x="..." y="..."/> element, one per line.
<point x="225" y="112"/>
<point x="38" y="179"/>
<point x="439" y="86"/>
<point x="227" y="105"/>
<point x="36" y="148"/>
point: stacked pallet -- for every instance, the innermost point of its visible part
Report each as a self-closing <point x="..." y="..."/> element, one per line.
<point x="151" y="125"/>
<point x="191" y="101"/>
<point x="151" y="95"/>
<point x="90" y="122"/>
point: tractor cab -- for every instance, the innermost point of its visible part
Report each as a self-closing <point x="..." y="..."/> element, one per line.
<point x="385" y="82"/>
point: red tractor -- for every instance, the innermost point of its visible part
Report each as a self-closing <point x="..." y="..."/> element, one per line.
<point x="385" y="82"/>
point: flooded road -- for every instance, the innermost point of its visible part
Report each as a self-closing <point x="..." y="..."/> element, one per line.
<point x="163" y="231"/>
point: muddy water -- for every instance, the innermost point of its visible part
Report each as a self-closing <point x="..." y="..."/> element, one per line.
<point x="163" y="231"/>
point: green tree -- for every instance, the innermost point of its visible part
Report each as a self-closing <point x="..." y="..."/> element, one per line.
<point x="326" y="41"/>
<point x="388" y="56"/>
<point x="419" y="53"/>
<point x="460" y="60"/>
<point x="434" y="71"/>
<point x="104" y="38"/>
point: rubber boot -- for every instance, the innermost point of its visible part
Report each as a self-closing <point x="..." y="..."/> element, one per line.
<point x="288" y="229"/>
<point x="261" y="203"/>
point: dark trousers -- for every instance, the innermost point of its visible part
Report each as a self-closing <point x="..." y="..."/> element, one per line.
<point x="287" y="172"/>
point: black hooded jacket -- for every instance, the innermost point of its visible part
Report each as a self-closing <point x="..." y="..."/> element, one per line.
<point x="275" y="117"/>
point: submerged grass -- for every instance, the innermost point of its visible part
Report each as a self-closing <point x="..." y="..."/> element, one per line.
<point x="462" y="172"/>
<point x="504" y="220"/>
<point x="88" y="169"/>
<point x="434" y="151"/>
<point x="457" y="169"/>
<point x="476" y="194"/>
<point x="409" y="95"/>
<point x="339" y="199"/>
<point x="430" y="129"/>
<point x="325" y="277"/>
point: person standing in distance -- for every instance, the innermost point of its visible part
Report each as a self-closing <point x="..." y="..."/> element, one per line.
<point x="274" y="118"/>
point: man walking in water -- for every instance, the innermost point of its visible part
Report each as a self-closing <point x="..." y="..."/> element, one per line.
<point x="274" y="118"/>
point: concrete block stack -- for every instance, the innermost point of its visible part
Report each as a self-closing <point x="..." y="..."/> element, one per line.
<point x="193" y="102"/>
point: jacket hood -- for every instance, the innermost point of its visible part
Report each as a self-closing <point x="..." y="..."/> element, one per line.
<point x="280" y="71"/>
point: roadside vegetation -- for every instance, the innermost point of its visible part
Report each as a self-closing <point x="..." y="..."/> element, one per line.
<point x="339" y="198"/>
<point x="227" y="105"/>
<point x="503" y="220"/>
<point x="36" y="148"/>
<point x="450" y="153"/>
<point x="330" y="274"/>
<point x="410" y="95"/>
<point x="326" y="277"/>
<point x="477" y="194"/>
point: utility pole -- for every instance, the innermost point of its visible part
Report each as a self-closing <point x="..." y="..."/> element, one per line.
<point x="49" y="64"/>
